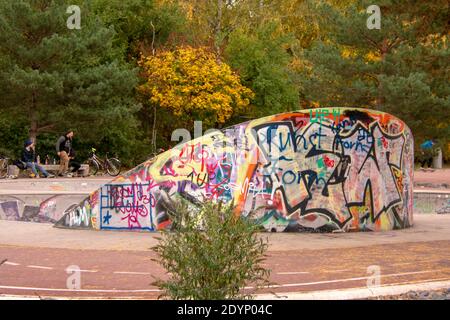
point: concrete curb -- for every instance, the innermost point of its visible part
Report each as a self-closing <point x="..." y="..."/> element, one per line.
<point x="39" y="193"/>
<point x="358" y="293"/>
<point x="343" y="294"/>
<point x="432" y="191"/>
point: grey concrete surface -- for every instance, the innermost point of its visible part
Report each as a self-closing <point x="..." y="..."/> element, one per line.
<point x="439" y="178"/>
<point x="17" y="233"/>
<point x="51" y="186"/>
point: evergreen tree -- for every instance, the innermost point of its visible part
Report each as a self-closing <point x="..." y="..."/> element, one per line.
<point x="263" y="62"/>
<point x="401" y="68"/>
<point x="56" y="77"/>
<point x="141" y="26"/>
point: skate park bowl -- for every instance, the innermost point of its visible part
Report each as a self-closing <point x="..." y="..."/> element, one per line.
<point x="44" y="200"/>
<point x="432" y="201"/>
<point x="312" y="170"/>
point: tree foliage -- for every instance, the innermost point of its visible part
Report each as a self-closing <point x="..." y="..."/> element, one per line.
<point x="221" y="61"/>
<point x="191" y="83"/>
<point x="140" y="25"/>
<point x="400" y="68"/>
<point x="261" y="58"/>
<point x="57" y="78"/>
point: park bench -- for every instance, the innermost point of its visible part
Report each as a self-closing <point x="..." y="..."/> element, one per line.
<point x="52" y="168"/>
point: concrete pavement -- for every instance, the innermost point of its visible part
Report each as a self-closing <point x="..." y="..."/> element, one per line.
<point x="119" y="264"/>
<point x="439" y="178"/>
<point x="52" y="186"/>
<point x="129" y="274"/>
<point x="42" y="235"/>
<point x="34" y="257"/>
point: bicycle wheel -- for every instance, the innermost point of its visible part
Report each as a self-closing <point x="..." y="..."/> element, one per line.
<point x="3" y="168"/>
<point x="113" y="166"/>
<point x="93" y="167"/>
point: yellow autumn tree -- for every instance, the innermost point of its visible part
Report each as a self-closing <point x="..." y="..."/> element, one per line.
<point x="193" y="84"/>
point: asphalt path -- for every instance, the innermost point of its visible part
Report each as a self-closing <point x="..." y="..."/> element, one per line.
<point x="39" y="270"/>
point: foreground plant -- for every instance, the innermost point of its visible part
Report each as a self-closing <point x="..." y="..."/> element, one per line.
<point x="211" y="254"/>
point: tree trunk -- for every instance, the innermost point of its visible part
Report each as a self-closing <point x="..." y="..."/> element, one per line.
<point x="153" y="142"/>
<point x="218" y="27"/>
<point x="153" y="38"/>
<point x="33" y="118"/>
<point x="383" y="51"/>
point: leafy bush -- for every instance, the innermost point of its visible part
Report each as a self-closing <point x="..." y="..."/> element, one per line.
<point x="211" y="254"/>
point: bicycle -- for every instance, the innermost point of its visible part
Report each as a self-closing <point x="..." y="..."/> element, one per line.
<point x="111" y="165"/>
<point x="4" y="163"/>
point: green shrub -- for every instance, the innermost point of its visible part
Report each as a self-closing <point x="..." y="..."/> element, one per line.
<point x="211" y="254"/>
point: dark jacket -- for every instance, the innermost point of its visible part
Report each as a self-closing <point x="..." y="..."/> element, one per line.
<point x="64" y="144"/>
<point x="28" y="155"/>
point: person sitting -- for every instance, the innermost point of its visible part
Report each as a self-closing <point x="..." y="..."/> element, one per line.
<point x="29" y="157"/>
<point x="74" y="165"/>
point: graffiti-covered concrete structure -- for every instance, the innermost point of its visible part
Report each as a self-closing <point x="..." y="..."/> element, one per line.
<point x="322" y="170"/>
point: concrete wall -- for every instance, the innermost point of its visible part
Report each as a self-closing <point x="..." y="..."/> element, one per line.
<point x="46" y="200"/>
<point x="317" y="170"/>
<point x="44" y="208"/>
<point x="432" y="202"/>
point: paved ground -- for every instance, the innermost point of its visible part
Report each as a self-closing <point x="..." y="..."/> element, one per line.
<point x="119" y="265"/>
<point x="42" y="235"/>
<point x="34" y="257"/>
<point x="52" y="186"/>
<point x="437" y="178"/>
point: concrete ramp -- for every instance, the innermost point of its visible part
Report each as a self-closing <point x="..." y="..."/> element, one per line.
<point x="432" y="201"/>
<point x="43" y="200"/>
<point x="318" y="170"/>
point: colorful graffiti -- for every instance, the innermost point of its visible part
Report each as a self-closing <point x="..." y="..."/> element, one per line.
<point x="318" y="170"/>
<point x="79" y="215"/>
<point x="10" y="210"/>
<point x="37" y="208"/>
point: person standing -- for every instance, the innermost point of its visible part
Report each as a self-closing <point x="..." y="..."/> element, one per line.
<point x="66" y="154"/>
<point x="426" y="153"/>
<point x="29" y="157"/>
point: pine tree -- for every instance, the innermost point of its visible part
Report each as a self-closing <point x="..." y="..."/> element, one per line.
<point x="401" y="68"/>
<point x="142" y="26"/>
<point x="56" y="77"/>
